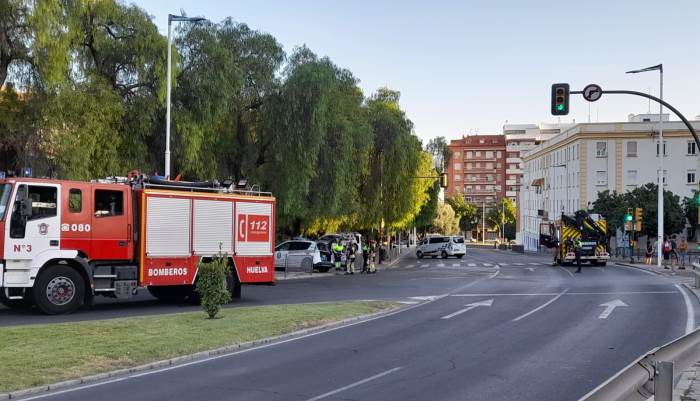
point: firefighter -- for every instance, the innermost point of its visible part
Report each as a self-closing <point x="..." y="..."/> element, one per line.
<point x="577" y="252"/>
<point x="350" y="258"/>
<point x="365" y="257"/>
<point x="338" y="249"/>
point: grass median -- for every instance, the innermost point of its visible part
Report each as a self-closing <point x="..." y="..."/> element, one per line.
<point x="43" y="354"/>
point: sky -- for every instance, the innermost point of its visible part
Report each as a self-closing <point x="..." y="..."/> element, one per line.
<point x="471" y="66"/>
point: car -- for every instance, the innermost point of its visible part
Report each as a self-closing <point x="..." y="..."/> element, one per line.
<point x="297" y="254"/>
<point x="443" y="246"/>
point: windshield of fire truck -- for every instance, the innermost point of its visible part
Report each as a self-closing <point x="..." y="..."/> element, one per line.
<point x="5" y="191"/>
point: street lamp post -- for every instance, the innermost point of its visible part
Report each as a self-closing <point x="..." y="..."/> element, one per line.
<point x="171" y="18"/>
<point x="660" y="173"/>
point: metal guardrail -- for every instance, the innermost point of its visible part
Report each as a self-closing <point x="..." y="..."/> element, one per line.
<point x="652" y="374"/>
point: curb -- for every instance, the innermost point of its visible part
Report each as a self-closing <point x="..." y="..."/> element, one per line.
<point x="642" y="269"/>
<point x="187" y="358"/>
<point x="306" y="276"/>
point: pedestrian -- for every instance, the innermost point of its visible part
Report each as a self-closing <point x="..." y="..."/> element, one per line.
<point x="682" y="252"/>
<point x="577" y="253"/>
<point x="674" y="250"/>
<point x="365" y="257"/>
<point x="666" y="250"/>
<point x="649" y="252"/>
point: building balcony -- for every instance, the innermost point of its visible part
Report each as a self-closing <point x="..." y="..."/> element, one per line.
<point x="514" y="171"/>
<point x="511" y="182"/>
<point x="514" y="160"/>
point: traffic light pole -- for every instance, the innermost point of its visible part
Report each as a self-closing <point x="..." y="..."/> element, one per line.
<point x="656" y="99"/>
<point x="661" y="150"/>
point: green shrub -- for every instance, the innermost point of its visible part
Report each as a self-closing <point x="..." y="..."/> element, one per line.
<point x="211" y="284"/>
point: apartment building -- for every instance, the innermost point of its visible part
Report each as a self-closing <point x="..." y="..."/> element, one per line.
<point x="566" y="172"/>
<point x="477" y="168"/>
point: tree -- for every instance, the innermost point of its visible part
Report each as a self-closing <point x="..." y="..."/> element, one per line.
<point x="445" y="221"/>
<point x="426" y="216"/>
<point x="466" y="212"/>
<point x="614" y="206"/>
<point x="503" y="212"/>
<point x="14" y="35"/>
<point x="690" y="208"/>
<point x="440" y="150"/>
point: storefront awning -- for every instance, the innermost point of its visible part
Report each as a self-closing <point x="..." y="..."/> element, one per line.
<point x="537" y="182"/>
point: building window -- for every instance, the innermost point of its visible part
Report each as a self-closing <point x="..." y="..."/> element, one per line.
<point x="467" y="198"/>
<point x="458" y="166"/>
<point x="481" y="141"/>
<point x="690" y="176"/>
<point x="457" y="154"/>
<point x="632" y="177"/>
<point x="489" y="165"/>
<point x="601" y="177"/>
<point x="657" y="149"/>
<point x="498" y="165"/>
<point x="499" y="154"/>
<point x="691" y="148"/>
<point x="458" y="177"/>
<point x="489" y="154"/>
<point x="468" y="155"/>
<point x="601" y="149"/>
<point x="478" y="153"/>
<point x="478" y="165"/>
<point x="632" y="149"/>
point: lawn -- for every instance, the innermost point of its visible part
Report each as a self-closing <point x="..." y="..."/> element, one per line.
<point x="42" y="354"/>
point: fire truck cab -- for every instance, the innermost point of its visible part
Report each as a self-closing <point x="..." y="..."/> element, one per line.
<point x="63" y="242"/>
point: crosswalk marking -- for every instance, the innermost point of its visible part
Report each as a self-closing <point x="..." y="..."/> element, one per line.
<point x="472" y="265"/>
<point x="534" y="264"/>
<point x="488" y="264"/>
<point x="455" y="264"/>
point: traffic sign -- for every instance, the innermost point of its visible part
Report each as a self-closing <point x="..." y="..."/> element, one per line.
<point x="592" y="92"/>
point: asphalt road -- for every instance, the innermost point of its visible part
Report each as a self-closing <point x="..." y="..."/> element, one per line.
<point x="509" y="327"/>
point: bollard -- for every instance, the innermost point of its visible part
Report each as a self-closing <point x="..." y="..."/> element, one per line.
<point x="663" y="381"/>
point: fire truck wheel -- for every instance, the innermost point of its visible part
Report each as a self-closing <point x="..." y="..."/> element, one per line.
<point x="59" y="289"/>
<point x="19" y="304"/>
<point x="235" y="287"/>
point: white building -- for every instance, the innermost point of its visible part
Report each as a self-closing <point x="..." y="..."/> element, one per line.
<point x="566" y="172"/>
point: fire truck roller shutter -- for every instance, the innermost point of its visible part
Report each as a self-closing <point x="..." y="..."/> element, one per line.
<point x="213" y="227"/>
<point x="167" y="226"/>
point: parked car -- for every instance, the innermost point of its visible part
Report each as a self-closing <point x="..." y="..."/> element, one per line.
<point x="327" y="261"/>
<point x="443" y="246"/>
<point x="297" y="254"/>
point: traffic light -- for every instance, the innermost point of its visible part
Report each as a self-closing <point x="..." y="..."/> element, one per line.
<point x="628" y="216"/>
<point x="443" y="180"/>
<point x="560" y="99"/>
<point x="638" y="213"/>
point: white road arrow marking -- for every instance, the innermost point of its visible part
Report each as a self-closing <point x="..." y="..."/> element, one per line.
<point x="531" y="269"/>
<point x="469" y="307"/>
<point x="609" y="307"/>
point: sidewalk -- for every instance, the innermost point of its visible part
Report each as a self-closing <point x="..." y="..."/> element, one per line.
<point x="688" y="385"/>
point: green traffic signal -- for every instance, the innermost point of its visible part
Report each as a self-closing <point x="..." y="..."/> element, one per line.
<point x="628" y="217"/>
<point x="697" y="200"/>
<point x="560" y="107"/>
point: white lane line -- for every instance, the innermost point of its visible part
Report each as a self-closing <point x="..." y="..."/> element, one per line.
<point x="503" y="264"/>
<point x="472" y="265"/>
<point x="549" y="294"/>
<point x="487" y="265"/>
<point x="519" y="264"/>
<point x="690" y="321"/>
<point x="409" y="266"/>
<point x="455" y="264"/>
<point x="409" y="302"/>
<point x="544" y="305"/>
<point x="441" y="264"/>
<point x="358" y="383"/>
<point x="533" y="264"/>
<point x="567" y="272"/>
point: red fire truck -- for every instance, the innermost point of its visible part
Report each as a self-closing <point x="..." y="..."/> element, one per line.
<point x="63" y="242"/>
